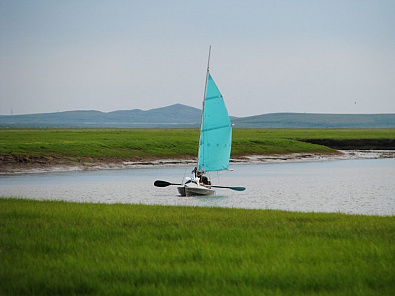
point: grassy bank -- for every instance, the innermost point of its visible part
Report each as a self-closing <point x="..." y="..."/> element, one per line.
<point x="302" y="134"/>
<point x="57" y="248"/>
<point x="125" y="144"/>
<point x="345" y="139"/>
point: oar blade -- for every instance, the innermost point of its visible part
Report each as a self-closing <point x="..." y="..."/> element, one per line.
<point x="160" y="183"/>
<point x="238" y="188"/>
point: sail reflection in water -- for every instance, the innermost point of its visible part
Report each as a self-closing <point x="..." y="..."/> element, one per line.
<point x="347" y="186"/>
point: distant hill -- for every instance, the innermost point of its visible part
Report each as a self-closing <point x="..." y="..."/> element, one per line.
<point x="182" y="116"/>
<point x="313" y="120"/>
<point x="177" y="115"/>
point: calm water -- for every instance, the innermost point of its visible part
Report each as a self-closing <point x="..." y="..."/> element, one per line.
<point x="347" y="186"/>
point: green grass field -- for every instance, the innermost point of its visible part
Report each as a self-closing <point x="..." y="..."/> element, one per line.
<point x="301" y="133"/>
<point x="136" y="144"/>
<point x="59" y="248"/>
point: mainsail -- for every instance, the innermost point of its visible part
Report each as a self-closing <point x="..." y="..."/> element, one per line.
<point x="215" y="132"/>
<point x="214" y="144"/>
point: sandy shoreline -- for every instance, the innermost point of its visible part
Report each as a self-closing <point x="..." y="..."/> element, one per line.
<point x="26" y="168"/>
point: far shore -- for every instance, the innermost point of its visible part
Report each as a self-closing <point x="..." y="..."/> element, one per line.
<point x="62" y="165"/>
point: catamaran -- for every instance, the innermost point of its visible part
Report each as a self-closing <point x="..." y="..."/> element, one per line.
<point x="214" y="144"/>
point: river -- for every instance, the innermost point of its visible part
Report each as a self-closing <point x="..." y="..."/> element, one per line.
<point x="364" y="186"/>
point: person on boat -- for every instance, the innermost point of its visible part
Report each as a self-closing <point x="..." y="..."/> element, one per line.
<point x="202" y="179"/>
<point x="205" y="180"/>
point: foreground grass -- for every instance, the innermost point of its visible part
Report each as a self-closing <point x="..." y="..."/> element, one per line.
<point x="135" y="144"/>
<point x="57" y="248"/>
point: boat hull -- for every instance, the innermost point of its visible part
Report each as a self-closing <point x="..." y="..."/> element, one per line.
<point x="181" y="191"/>
<point x="195" y="191"/>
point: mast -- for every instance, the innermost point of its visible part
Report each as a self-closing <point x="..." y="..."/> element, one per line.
<point x="208" y="71"/>
<point x="204" y="99"/>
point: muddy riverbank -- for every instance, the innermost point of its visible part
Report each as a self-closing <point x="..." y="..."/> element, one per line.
<point x="17" y="165"/>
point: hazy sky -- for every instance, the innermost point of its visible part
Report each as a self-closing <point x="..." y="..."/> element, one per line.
<point x="267" y="56"/>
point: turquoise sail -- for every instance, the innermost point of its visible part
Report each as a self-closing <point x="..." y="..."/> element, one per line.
<point x="215" y="132"/>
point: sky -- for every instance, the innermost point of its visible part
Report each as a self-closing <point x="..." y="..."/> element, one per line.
<point x="267" y="56"/>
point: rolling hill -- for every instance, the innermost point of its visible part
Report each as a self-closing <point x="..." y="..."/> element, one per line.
<point x="182" y="116"/>
<point x="177" y="115"/>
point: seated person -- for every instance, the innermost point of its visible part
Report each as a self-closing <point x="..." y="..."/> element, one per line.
<point x="205" y="180"/>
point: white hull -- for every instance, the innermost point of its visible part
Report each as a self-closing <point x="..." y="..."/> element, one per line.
<point x="195" y="190"/>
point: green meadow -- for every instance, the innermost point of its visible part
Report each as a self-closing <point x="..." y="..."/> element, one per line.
<point x="59" y="248"/>
<point x="136" y="144"/>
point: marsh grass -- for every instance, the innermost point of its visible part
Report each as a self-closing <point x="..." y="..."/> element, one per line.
<point x="302" y="133"/>
<point x="135" y="144"/>
<point x="99" y="143"/>
<point x="58" y="248"/>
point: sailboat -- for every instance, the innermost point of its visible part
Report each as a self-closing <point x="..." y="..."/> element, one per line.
<point x="214" y="144"/>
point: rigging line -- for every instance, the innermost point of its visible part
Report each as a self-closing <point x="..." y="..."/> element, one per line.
<point x="208" y="61"/>
<point x="207" y="73"/>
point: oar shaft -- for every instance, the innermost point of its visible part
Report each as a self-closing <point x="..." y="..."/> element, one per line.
<point x="229" y="187"/>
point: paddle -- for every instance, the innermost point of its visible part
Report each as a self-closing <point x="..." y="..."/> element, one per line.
<point x="159" y="183"/>
<point x="228" y="187"/>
